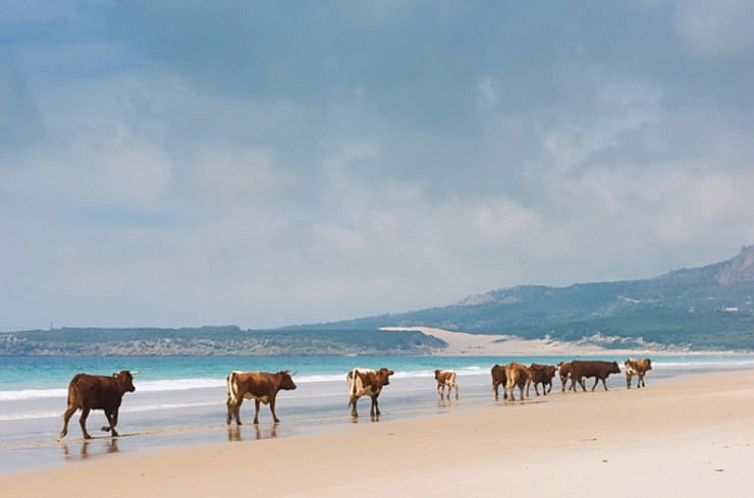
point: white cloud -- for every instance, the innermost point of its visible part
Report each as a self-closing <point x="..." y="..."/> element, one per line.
<point x="714" y="29"/>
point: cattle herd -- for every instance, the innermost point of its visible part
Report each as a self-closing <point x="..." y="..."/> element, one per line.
<point x="100" y="392"/>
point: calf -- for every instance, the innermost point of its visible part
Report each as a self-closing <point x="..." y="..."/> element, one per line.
<point x="367" y="382"/>
<point x="97" y="392"/>
<point x="638" y="368"/>
<point x="600" y="370"/>
<point x="446" y="378"/>
<point x="262" y="387"/>
<point x="542" y="374"/>
<point x="498" y="379"/>
<point x="517" y="375"/>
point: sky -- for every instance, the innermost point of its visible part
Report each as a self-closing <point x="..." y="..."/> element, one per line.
<point x="185" y="163"/>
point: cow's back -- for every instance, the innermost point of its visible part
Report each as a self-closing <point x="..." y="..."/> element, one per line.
<point x="94" y="391"/>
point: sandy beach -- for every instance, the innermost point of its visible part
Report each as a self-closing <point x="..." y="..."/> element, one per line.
<point x="689" y="436"/>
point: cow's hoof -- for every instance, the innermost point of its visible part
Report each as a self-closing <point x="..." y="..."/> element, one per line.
<point x="87" y="437"/>
<point x="277" y="421"/>
<point x="115" y="434"/>
<point x="62" y="435"/>
<point x="105" y="428"/>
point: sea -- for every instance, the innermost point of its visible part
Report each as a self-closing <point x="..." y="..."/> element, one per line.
<point x="180" y="400"/>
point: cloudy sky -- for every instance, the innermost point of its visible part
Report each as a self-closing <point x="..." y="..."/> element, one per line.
<point x="180" y="163"/>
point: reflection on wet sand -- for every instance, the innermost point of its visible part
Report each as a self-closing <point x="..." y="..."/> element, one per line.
<point x="235" y="433"/>
<point x="89" y="449"/>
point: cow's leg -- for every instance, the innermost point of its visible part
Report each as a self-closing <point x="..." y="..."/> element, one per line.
<point x="375" y="411"/>
<point x="352" y="404"/>
<point x="495" y="388"/>
<point x="628" y="381"/>
<point x="596" y="380"/>
<point x="272" y="409"/>
<point x="456" y="392"/>
<point x="108" y="416"/>
<point x="604" y="383"/>
<point x="536" y="389"/>
<point x="66" y="417"/>
<point x="256" y="411"/>
<point x="82" y="422"/>
<point x="112" y="418"/>
<point x="582" y="383"/>
<point x="641" y="379"/>
<point x="229" y="404"/>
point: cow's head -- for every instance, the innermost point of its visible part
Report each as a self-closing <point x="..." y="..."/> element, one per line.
<point x="614" y="368"/>
<point x="649" y="364"/>
<point x="385" y="374"/>
<point x="551" y="371"/>
<point x="286" y="380"/>
<point x="437" y="374"/>
<point x="125" y="380"/>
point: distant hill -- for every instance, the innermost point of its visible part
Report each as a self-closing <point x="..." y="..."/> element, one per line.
<point x="701" y="308"/>
<point x="228" y="340"/>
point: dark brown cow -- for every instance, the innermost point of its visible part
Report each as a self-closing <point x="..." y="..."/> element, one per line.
<point x="97" y="392"/>
<point x="564" y="371"/>
<point x="262" y="387"/>
<point x="517" y="375"/>
<point x="638" y="368"/>
<point x="498" y="379"/>
<point x="367" y="382"/>
<point x="542" y="374"/>
<point x="446" y="378"/>
<point x="600" y="370"/>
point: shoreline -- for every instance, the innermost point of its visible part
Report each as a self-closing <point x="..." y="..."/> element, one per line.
<point x="692" y="419"/>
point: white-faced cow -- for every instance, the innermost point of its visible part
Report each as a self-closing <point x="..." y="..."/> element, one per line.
<point x="638" y="368"/>
<point x="262" y="387"/>
<point x="446" y="378"/>
<point x="367" y="382"/>
<point x="97" y="392"/>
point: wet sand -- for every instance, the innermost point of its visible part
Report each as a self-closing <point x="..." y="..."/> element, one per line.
<point x="689" y="436"/>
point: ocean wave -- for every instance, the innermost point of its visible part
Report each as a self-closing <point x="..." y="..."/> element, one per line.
<point x="125" y="409"/>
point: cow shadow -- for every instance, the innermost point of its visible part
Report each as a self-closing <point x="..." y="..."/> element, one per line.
<point x="372" y="418"/>
<point x="235" y="433"/>
<point x="89" y="449"/>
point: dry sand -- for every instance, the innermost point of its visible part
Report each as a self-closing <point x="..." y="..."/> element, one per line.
<point x="690" y="436"/>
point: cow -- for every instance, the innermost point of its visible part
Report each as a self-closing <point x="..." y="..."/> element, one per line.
<point x="517" y="375"/>
<point x="498" y="379"/>
<point x="542" y="374"/>
<point x="600" y="370"/>
<point x="446" y="378"/>
<point x="262" y="387"/>
<point x="564" y="371"/>
<point x="97" y="392"/>
<point x="638" y="368"/>
<point x="367" y="382"/>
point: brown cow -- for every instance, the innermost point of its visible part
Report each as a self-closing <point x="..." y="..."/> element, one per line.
<point x="564" y="370"/>
<point x="262" y="387"/>
<point x="446" y="378"/>
<point x="367" y="382"/>
<point x="517" y="375"/>
<point x="542" y="374"/>
<point x="638" y="368"/>
<point x="97" y="392"/>
<point x="600" y="370"/>
<point x="498" y="379"/>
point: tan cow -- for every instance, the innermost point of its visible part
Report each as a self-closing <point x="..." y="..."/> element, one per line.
<point x="517" y="375"/>
<point x="262" y="387"/>
<point x="367" y="382"/>
<point x="638" y="368"/>
<point x="446" y="378"/>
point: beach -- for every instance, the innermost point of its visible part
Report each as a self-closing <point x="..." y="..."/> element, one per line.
<point x="691" y="435"/>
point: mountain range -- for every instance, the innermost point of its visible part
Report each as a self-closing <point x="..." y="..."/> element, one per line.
<point x="710" y="307"/>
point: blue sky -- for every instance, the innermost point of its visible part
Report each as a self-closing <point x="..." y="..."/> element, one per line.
<point x="180" y="163"/>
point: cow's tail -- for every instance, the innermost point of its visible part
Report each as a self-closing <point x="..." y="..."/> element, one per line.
<point x="232" y="386"/>
<point x="352" y="388"/>
<point x="73" y="390"/>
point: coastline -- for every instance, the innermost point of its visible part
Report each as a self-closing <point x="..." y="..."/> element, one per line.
<point x="461" y="343"/>
<point x="691" y="435"/>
